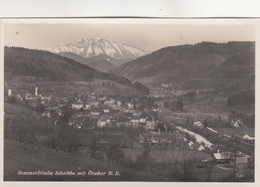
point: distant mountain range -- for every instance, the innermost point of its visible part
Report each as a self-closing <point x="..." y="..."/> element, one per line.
<point x="93" y="47"/>
<point x="228" y="66"/>
<point x="98" y="53"/>
<point x="26" y="62"/>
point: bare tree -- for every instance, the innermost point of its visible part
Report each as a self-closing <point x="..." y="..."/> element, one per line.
<point x="93" y="146"/>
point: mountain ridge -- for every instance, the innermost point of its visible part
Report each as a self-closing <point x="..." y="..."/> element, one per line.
<point x="26" y="62"/>
<point x="101" y="62"/>
<point x="181" y="64"/>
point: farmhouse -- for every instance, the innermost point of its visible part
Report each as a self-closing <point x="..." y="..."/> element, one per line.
<point x="247" y="137"/>
<point x="224" y="157"/>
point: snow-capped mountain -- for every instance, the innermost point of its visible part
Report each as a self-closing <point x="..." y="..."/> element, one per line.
<point x="97" y="46"/>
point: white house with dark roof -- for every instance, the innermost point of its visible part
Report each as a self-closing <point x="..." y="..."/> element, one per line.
<point x="247" y="137"/>
<point x="237" y="123"/>
<point x="77" y="106"/>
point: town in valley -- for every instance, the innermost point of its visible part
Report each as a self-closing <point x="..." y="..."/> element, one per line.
<point x="181" y="113"/>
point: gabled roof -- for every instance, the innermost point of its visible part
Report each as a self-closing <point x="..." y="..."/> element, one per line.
<point x="223" y="155"/>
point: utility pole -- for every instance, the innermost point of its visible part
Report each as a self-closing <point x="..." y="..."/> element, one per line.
<point x="235" y="158"/>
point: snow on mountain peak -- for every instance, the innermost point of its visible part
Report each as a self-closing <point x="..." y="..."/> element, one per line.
<point x="87" y="48"/>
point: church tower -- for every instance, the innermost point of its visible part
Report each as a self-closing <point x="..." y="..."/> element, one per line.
<point x="36" y="91"/>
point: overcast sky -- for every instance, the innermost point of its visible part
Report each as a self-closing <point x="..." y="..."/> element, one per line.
<point x="149" y="37"/>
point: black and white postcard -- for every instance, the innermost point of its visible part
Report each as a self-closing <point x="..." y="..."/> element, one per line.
<point x="147" y="100"/>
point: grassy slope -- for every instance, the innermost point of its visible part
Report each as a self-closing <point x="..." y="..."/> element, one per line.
<point x="17" y="109"/>
<point x="39" y="158"/>
<point x="25" y="62"/>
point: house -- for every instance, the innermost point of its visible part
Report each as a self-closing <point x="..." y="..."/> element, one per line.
<point x="201" y="148"/>
<point x="165" y="85"/>
<point x="159" y="103"/>
<point x="94" y="103"/>
<point x="155" y="109"/>
<point x="130" y="105"/>
<point x="109" y="102"/>
<point x="79" y="100"/>
<point x="162" y="139"/>
<point x="29" y="97"/>
<point x="197" y="146"/>
<point x="247" y="137"/>
<point x="119" y="103"/>
<point x="106" y="111"/>
<point x="86" y="106"/>
<point x="46" y="114"/>
<point x="236" y="123"/>
<point x="103" y="122"/>
<point x="150" y="124"/>
<point x="77" y="106"/>
<point x="45" y="99"/>
<point x="77" y="121"/>
<point x="242" y="158"/>
<point x="142" y="120"/>
<point x="122" y="122"/>
<point x="224" y="157"/>
<point x="94" y="112"/>
<point x="190" y="144"/>
<point x="197" y="124"/>
<point x="77" y="126"/>
<point x="135" y="122"/>
<point x="58" y="111"/>
<point x="159" y="139"/>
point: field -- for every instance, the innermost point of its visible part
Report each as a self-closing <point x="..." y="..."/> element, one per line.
<point x="172" y="156"/>
<point x="38" y="158"/>
<point x="20" y="110"/>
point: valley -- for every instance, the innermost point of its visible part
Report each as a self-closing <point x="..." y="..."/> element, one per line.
<point x="181" y="113"/>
